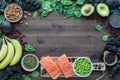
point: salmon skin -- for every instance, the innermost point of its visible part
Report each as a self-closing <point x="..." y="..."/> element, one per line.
<point x="51" y="67"/>
<point x="66" y="66"/>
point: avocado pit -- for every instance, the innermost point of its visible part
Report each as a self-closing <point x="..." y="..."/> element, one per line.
<point x="87" y="10"/>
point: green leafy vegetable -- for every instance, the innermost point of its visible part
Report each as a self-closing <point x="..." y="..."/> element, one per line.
<point x="2" y="18"/>
<point x="99" y="27"/>
<point x="44" y="13"/>
<point x="80" y="2"/>
<point x="66" y="2"/>
<point x="1" y="40"/>
<point x="0" y="32"/>
<point x="105" y="37"/>
<point x="67" y="7"/>
<point x="35" y="14"/>
<point x="77" y="14"/>
<point x="29" y="48"/>
<point x="29" y="5"/>
<point x="3" y="4"/>
<point x="35" y="74"/>
<point x="11" y="73"/>
<point x="46" y="5"/>
<point x="26" y="77"/>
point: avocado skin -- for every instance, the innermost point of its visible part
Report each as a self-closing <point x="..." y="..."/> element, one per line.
<point x="105" y="12"/>
<point x="85" y="6"/>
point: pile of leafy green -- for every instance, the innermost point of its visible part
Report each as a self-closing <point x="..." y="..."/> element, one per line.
<point x="3" y="4"/>
<point x="30" y="5"/>
<point x="115" y="70"/>
<point x="114" y="5"/>
<point x="11" y="73"/>
<point x="114" y="45"/>
<point x="70" y="8"/>
<point x="95" y="2"/>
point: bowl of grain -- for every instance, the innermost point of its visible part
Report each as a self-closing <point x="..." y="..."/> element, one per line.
<point x="30" y="62"/>
<point x="13" y="12"/>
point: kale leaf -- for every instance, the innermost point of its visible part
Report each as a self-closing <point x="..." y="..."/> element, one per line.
<point x="11" y="73"/>
<point x="114" y="45"/>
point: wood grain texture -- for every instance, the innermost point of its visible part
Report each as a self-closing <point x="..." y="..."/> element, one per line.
<point x="54" y="35"/>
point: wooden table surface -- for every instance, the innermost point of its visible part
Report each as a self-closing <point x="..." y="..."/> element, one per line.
<point x="54" y="35"/>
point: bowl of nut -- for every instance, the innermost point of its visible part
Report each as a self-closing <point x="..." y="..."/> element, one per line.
<point x="13" y="12"/>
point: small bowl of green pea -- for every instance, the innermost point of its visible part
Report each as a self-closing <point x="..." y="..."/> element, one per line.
<point x="30" y="62"/>
<point x="83" y="66"/>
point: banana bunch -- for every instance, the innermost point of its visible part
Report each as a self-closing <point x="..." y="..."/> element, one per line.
<point x="10" y="53"/>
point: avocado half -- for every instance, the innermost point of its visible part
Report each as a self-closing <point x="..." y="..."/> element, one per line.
<point x="87" y="9"/>
<point x="103" y="10"/>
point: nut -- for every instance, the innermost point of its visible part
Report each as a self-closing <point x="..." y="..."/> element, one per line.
<point x="21" y="22"/>
<point x="25" y="12"/>
<point x="26" y="24"/>
<point x="29" y="14"/>
<point x="25" y="16"/>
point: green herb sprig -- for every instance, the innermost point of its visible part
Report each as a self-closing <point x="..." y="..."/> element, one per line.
<point x="99" y="28"/>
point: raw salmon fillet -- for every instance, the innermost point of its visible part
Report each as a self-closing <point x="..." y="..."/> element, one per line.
<point x="66" y="66"/>
<point x="51" y="67"/>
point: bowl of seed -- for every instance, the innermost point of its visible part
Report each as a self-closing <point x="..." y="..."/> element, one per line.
<point x="30" y="62"/>
<point x="13" y="12"/>
<point x="82" y="66"/>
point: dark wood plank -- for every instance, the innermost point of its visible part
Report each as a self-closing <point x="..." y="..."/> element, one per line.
<point x="54" y="35"/>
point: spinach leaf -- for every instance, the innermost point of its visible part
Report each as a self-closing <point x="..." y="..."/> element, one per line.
<point x="99" y="27"/>
<point x="80" y="2"/>
<point x="105" y="37"/>
<point x="77" y="14"/>
<point x="45" y="5"/>
<point x="66" y="2"/>
<point x="26" y="77"/>
<point x="35" y="74"/>
<point x="35" y="14"/>
<point x="29" y="48"/>
<point x="44" y="13"/>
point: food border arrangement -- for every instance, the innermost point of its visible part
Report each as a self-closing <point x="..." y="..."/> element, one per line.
<point x="15" y="65"/>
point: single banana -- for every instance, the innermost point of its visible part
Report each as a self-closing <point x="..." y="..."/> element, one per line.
<point x="10" y="54"/>
<point x="3" y="50"/>
<point x="18" y="51"/>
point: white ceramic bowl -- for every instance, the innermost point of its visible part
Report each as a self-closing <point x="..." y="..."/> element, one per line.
<point x="21" y="11"/>
<point x="26" y="69"/>
<point x="90" y="63"/>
